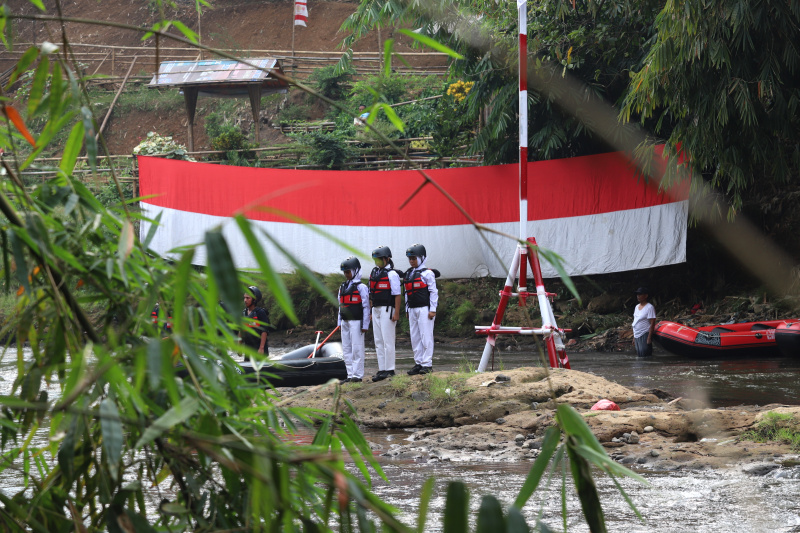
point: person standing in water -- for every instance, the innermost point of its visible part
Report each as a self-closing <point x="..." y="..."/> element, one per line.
<point x="644" y="324"/>
<point x="384" y="298"/>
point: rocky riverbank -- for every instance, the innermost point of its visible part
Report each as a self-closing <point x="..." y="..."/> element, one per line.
<point x="503" y="416"/>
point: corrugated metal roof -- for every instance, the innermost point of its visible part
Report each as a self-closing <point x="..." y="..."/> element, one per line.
<point x="222" y="76"/>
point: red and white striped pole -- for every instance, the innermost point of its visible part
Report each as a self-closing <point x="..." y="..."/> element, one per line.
<point x="522" y="9"/>
<point x="556" y="353"/>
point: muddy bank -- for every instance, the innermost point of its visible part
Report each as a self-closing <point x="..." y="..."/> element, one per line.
<point x="502" y="416"/>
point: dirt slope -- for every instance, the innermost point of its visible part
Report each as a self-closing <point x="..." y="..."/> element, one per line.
<point x="238" y="25"/>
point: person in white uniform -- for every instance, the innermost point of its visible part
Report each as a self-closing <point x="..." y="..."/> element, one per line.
<point x="422" y="297"/>
<point x="384" y="299"/>
<point x="644" y="323"/>
<point x="353" y="319"/>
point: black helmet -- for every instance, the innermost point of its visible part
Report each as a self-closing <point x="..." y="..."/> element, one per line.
<point x="252" y="289"/>
<point x="416" y="250"/>
<point x="351" y="263"/>
<point x="381" y="251"/>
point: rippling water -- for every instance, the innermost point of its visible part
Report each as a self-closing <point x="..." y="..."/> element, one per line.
<point x="702" y="501"/>
<point x="687" y="501"/>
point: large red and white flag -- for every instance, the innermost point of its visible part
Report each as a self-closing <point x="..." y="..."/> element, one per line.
<point x="593" y="211"/>
<point x="300" y="13"/>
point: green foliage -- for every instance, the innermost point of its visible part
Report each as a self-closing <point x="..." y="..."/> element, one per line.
<point x="328" y="149"/>
<point x="721" y="84"/>
<point x="157" y="145"/>
<point x="161" y="432"/>
<point x="331" y="82"/>
<point x="293" y="113"/>
<point x="108" y="194"/>
<point x="775" y="427"/>
<point x="232" y="140"/>
<point x="390" y="89"/>
<point x="596" y="42"/>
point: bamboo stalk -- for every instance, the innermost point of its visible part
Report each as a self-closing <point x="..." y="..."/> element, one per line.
<point x="114" y="101"/>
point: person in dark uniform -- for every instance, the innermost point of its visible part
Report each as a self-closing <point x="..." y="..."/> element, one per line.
<point x="256" y="322"/>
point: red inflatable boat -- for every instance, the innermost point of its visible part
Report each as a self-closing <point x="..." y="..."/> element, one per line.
<point x="748" y="339"/>
<point x="787" y="335"/>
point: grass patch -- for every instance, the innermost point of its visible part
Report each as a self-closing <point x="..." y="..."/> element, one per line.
<point x="775" y="427"/>
<point x="399" y="384"/>
<point x="447" y="388"/>
<point x="466" y="366"/>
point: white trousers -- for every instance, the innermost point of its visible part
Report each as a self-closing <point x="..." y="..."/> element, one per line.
<point x="353" y="348"/>
<point x="384" y="332"/>
<point x="421" y="335"/>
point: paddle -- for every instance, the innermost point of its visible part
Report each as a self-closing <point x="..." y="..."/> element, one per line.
<point x="315" y="344"/>
<point x="323" y="342"/>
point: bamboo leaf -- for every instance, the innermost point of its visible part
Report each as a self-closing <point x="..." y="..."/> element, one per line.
<point x="427" y="41"/>
<point x="13" y="115"/>
<point x="424" y="501"/>
<point x="388" y="45"/>
<point x="551" y="438"/>
<point x="221" y="264"/>
<point x="515" y="522"/>
<point x="490" y="516"/>
<point x="456" y="509"/>
<point x="185" y="30"/>
<point x="604" y="462"/>
<point x="38" y="85"/>
<point x="274" y="282"/>
<point x="575" y="425"/>
<point x="392" y="116"/>
<point x="125" y="246"/>
<point x="26" y="59"/>
<point x="151" y="232"/>
<point x="112" y="435"/>
<point x="174" y="416"/>
<point x="586" y="489"/>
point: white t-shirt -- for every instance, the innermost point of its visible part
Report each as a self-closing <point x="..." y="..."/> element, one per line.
<point x="641" y="319"/>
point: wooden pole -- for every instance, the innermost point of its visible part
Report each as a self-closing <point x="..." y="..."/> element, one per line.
<point x="380" y="53"/>
<point x="190" y="100"/>
<point x="293" y="27"/>
<point x="254" y="91"/>
<point x="199" y="31"/>
<point x="114" y="101"/>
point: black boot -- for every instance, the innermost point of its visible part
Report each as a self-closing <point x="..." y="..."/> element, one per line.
<point x="414" y="370"/>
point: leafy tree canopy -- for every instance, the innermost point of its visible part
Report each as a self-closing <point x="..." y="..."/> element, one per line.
<point x="596" y="42"/>
<point x="721" y="82"/>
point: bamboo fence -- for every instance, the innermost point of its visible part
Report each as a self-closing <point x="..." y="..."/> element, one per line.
<point x="117" y="59"/>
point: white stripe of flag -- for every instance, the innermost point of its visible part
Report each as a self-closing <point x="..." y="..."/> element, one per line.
<point x="300" y="13"/>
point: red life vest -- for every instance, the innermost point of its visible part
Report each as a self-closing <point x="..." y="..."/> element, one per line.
<point x="350" y="304"/>
<point x="417" y="294"/>
<point x="380" y="288"/>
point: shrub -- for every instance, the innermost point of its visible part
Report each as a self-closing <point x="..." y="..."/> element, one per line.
<point x="329" y="150"/>
<point x="230" y="140"/>
<point x="293" y="113"/>
<point x="392" y="89"/>
<point x="331" y="84"/>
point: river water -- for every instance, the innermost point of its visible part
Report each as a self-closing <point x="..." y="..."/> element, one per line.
<point x="675" y="502"/>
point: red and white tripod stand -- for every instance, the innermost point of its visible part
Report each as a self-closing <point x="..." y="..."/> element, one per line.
<point x="553" y="336"/>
